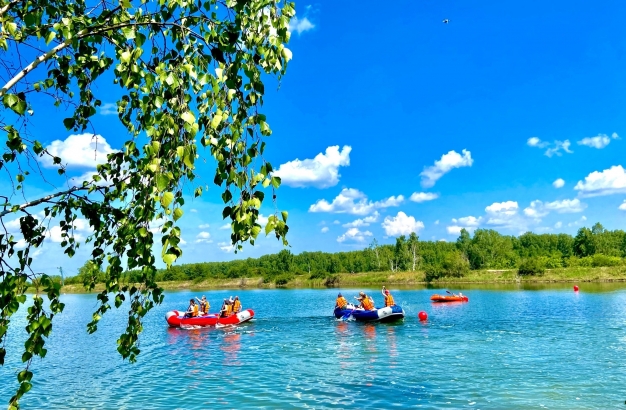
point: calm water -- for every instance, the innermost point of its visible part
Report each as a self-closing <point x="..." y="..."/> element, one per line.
<point x="506" y="348"/>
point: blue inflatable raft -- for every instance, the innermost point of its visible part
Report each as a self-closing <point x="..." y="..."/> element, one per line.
<point x="384" y="314"/>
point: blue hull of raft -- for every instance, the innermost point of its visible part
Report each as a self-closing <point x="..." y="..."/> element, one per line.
<point x="385" y="314"/>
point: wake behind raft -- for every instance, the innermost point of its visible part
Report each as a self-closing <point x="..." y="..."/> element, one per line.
<point x="176" y="318"/>
<point x="384" y="314"/>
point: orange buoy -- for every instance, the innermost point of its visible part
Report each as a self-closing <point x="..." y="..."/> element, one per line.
<point x="575" y="288"/>
<point x="422" y="316"/>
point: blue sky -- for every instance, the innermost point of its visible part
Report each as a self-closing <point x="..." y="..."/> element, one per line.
<point x="390" y="121"/>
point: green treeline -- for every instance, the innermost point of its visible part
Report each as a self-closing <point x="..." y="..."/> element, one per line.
<point x="530" y="253"/>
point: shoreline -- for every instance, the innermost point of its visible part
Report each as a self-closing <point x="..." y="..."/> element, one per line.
<point x="370" y="279"/>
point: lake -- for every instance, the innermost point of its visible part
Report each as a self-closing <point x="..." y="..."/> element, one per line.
<point x="508" y="347"/>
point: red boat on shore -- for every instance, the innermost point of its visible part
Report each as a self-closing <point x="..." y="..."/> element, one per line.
<point x="176" y="318"/>
<point x="449" y="298"/>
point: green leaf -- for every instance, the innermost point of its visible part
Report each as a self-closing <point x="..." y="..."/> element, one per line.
<point x="284" y="214"/>
<point x="50" y="36"/>
<point x="167" y="199"/>
<point x="188" y="117"/>
<point x="162" y="181"/>
<point x="143" y="232"/>
<point x="129" y="32"/>
<point x="180" y="151"/>
<point x="178" y="213"/>
<point x="276" y="182"/>
<point x="169" y="258"/>
<point x="69" y="123"/>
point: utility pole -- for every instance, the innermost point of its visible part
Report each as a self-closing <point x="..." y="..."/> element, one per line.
<point x="61" y="271"/>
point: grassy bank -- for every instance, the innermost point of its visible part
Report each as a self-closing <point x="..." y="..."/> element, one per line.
<point x="572" y="274"/>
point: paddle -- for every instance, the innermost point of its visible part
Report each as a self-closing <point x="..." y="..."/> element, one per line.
<point x="453" y="294"/>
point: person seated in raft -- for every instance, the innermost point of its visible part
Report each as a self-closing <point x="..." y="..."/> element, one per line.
<point x="204" y="305"/>
<point x="227" y="308"/>
<point x="366" y="302"/>
<point x="192" y="310"/>
<point x="236" y="305"/>
<point x="388" y="298"/>
<point x="341" y="302"/>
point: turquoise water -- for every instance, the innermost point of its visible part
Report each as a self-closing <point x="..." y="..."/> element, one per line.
<point x="506" y="348"/>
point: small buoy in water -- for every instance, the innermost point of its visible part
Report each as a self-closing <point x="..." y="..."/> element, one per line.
<point x="575" y="288"/>
<point x="422" y="316"/>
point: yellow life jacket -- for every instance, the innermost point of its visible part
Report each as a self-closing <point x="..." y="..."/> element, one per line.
<point x="204" y="307"/>
<point x="228" y="310"/>
<point x="236" y="306"/>
<point x="389" y="300"/>
<point x="341" y="302"/>
<point x="195" y="310"/>
<point x="367" y="304"/>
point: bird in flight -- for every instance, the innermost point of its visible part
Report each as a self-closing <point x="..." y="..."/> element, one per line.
<point x="446" y="21"/>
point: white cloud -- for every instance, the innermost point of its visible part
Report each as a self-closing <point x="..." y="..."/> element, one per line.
<point x="566" y="206"/>
<point x="182" y="242"/>
<point x="578" y="222"/>
<point x="507" y="208"/>
<point x="320" y="172"/>
<point x="82" y="150"/>
<point x="558" y="146"/>
<point x="423" y="196"/>
<point x="469" y="223"/>
<point x="536" y="142"/>
<point x="362" y="222"/>
<point x="558" y="225"/>
<point x="300" y="25"/>
<point x="203" y="237"/>
<point x="600" y="141"/>
<point x="353" y="234"/>
<point x="81" y="228"/>
<point x="325" y="229"/>
<point x="608" y="182"/>
<point x="401" y="224"/>
<point x="622" y="207"/>
<point x="437" y="222"/>
<point x="336" y="222"/>
<point x="193" y="210"/>
<point x="352" y="201"/>
<point x="559" y="183"/>
<point x="225" y="226"/>
<point x="448" y="161"/>
<point x="261" y="220"/>
<point x="226" y="246"/>
<point x="204" y="226"/>
<point x="536" y="210"/>
<point x="505" y="215"/>
<point x="108" y="109"/>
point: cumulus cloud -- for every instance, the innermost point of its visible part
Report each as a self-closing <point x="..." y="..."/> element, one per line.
<point x="559" y="183"/>
<point x="325" y="229"/>
<point x="108" y="109"/>
<point x="352" y="201"/>
<point x="226" y="246"/>
<point x="622" y="207"/>
<point x="80" y="230"/>
<point x="204" y="226"/>
<point x="225" y="226"/>
<point x="578" y="222"/>
<point x="553" y="148"/>
<point x="320" y="172"/>
<point x="600" y="141"/>
<point x="300" y="25"/>
<point x="401" y="224"/>
<point x="447" y="163"/>
<point x="82" y="150"/>
<point x="538" y="209"/>
<point x="354" y="234"/>
<point x="423" y="196"/>
<point x="362" y="222"/>
<point x="469" y="223"/>
<point x="505" y="215"/>
<point x="558" y="225"/>
<point x="608" y="182"/>
<point x="203" y="237"/>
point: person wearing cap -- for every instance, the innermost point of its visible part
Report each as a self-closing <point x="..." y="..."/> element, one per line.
<point x="204" y="305"/>
<point x="388" y="298"/>
<point x="227" y="308"/>
<point x="366" y="302"/>
<point x="236" y="305"/>
<point x="341" y="302"/>
<point x="192" y="310"/>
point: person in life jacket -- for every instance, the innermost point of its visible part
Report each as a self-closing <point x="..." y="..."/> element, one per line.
<point x="388" y="298"/>
<point x="204" y="305"/>
<point x="236" y="305"/>
<point x="227" y="308"/>
<point x="366" y="302"/>
<point x="192" y="310"/>
<point x="341" y="302"/>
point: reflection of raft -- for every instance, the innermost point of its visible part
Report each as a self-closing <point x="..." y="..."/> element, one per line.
<point x="385" y="314"/>
<point x="449" y="298"/>
<point x="176" y="318"/>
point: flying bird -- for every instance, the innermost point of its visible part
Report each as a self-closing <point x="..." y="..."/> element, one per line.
<point x="446" y="21"/>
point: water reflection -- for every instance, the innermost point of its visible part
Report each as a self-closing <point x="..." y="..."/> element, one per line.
<point x="231" y="345"/>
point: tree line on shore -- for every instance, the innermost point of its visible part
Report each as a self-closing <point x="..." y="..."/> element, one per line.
<point x="529" y="253"/>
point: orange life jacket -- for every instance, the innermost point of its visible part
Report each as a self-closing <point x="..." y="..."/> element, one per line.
<point x="204" y="307"/>
<point x="236" y="306"/>
<point x="195" y="310"/>
<point x="367" y="304"/>
<point x="389" y="300"/>
<point x="227" y="310"/>
<point x="341" y="302"/>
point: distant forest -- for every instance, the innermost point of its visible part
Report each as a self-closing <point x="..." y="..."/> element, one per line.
<point x="530" y="253"/>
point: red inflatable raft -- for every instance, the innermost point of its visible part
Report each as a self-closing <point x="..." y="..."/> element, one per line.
<point x="176" y="318"/>
<point x="449" y="298"/>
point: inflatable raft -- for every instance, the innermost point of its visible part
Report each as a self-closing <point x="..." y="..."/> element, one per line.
<point x="449" y="298"/>
<point x="176" y="318"/>
<point x="384" y="314"/>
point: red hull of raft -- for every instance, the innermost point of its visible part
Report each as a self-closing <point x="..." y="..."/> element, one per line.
<point x="176" y="318"/>
<point x="444" y="298"/>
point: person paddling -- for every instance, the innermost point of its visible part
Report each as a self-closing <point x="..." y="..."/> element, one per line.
<point x="192" y="310"/>
<point x="366" y="302"/>
<point x="204" y="305"/>
<point x="226" y="308"/>
<point x="388" y="298"/>
<point x="341" y="302"/>
<point x="236" y="305"/>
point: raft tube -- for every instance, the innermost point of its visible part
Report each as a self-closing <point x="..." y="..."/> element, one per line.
<point x="176" y="318"/>
<point x="384" y="314"/>
<point x="448" y="298"/>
